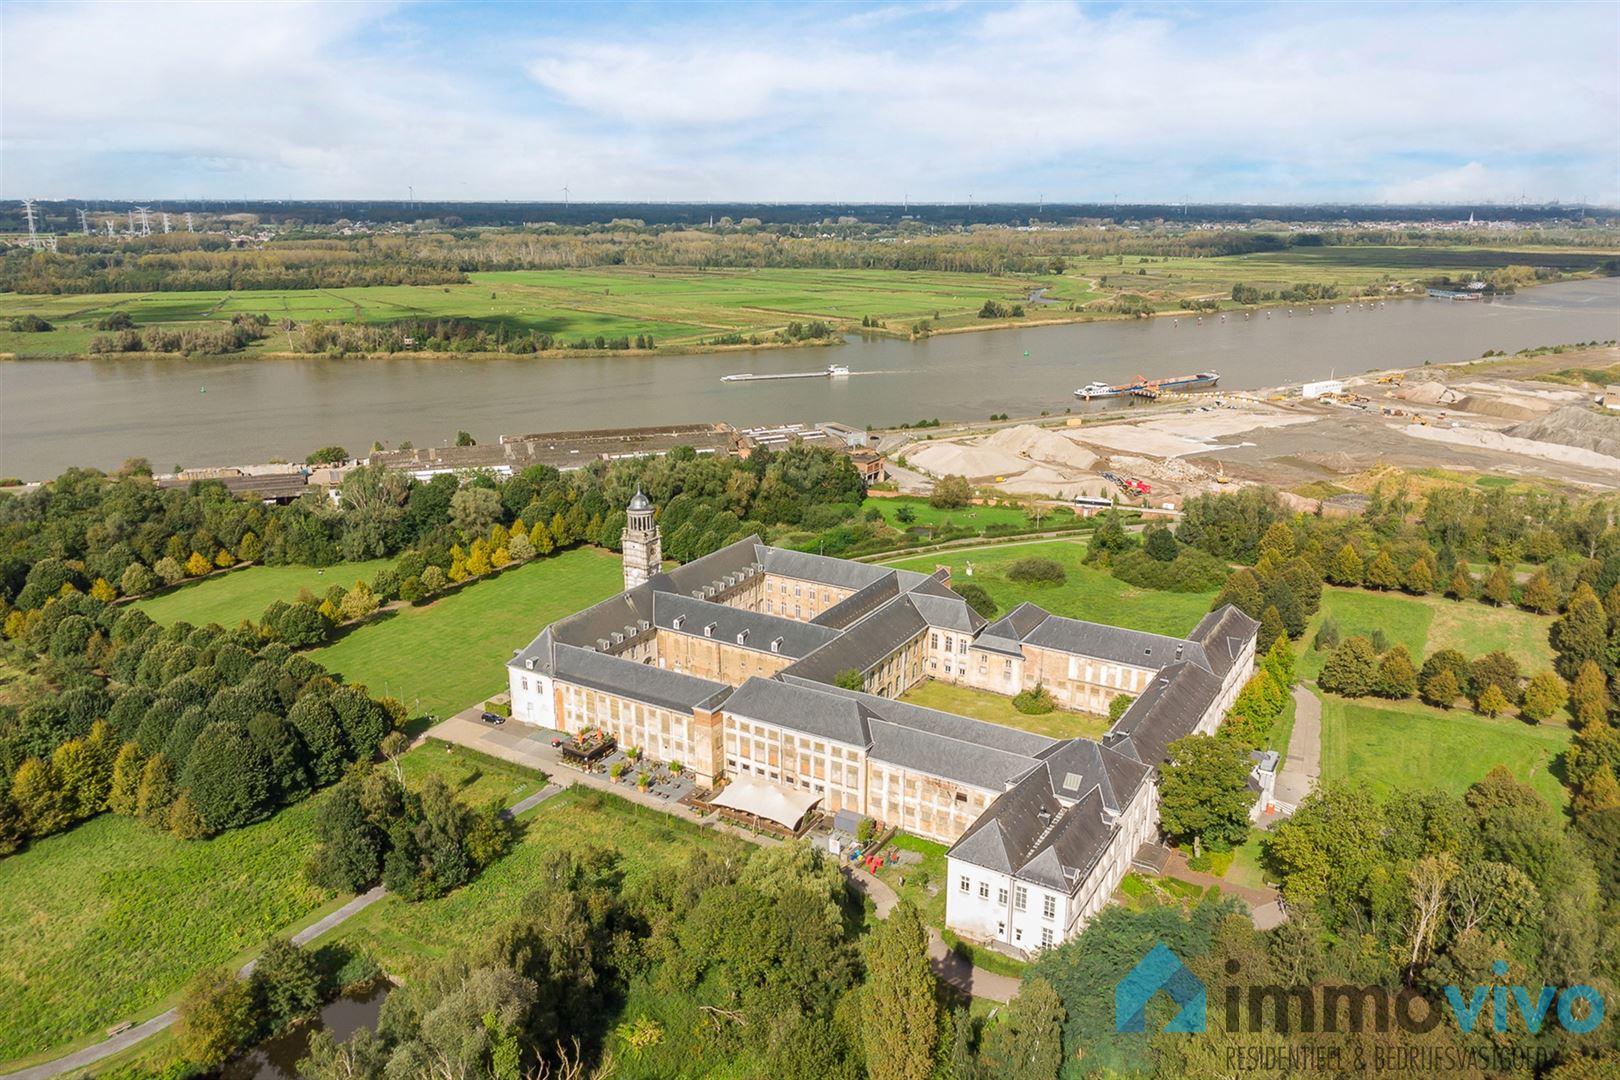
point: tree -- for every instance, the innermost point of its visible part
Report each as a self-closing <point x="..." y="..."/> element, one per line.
<point x="1159" y="544"/>
<point x="1441" y="689"/>
<point x="1396" y="678"/>
<point x="1278" y="543"/>
<point x="1492" y="702"/>
<point x="977" y="598"/>
<point x="198" y="565"/>
<point x="540" y="536"/>
<point x="900" y="1015"/>
<point x="849" y="679"/>
<point x="434" y="578"/>
<point x="1498" y="588"/>
<point x="1582" y="634"/>
<point x="1540" y="594"/>
<point x="905" y="515"/>
<point x="358" y="602"/>
<point x="1589" y="695"/>
<point x="126" y="779"/>
<point x="373" y="499"/>
<point x="951" y="493"/>
<point x="349" y="851"/>
<point x="464" y="438"/>
<point x="474" y="509"/>
<point x="1271" y="629"/>
<point x="1028" y="1042"/>
<point x="1381" y="573"/>
<point x="102" y="590"/>
<point x="1204" y="791"/>
<point x="317" y="724"/>
<point x="286" y="984"/>
<point x="169" y="569"/>
<point x="1461" y="586"/>
<point x="1346" y="567"/>
<point x="1279" y="661"/>
<point x="228" y="777"/>
<point x="1350" y="669"/>
<point x="39" y="800"/>
<point x="1544" y="696"/>
<point x="185" y="820"/>
<point x="1419" y="578"/>
<point x="137" y="580"/>
<point x="156" y="793"/>
<point x="215" y="1017"/>
<point x="1497" y="669"/>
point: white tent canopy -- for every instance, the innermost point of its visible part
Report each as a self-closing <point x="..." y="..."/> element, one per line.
<point x="773" y="802"/>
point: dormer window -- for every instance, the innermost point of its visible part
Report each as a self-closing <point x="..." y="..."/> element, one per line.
<point x="776" y="645"/>
<point x="742" y="637"/>
<point x="708" y="631"/>
<point x="680" y="621"/>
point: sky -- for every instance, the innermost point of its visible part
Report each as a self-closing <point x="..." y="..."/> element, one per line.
<point x="935" y="102"/>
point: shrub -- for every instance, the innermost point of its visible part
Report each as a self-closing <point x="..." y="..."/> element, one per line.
<point x="1327" y="635"/>
<point x="1034" y="702"/>
<point x="1117" y="707"/>
<point x="1035" y="571"/>
<point x="977" y="598"/>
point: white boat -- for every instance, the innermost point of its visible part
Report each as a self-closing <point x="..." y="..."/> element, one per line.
<point x="1095" y="390"/>
<point x="835" y="370"/>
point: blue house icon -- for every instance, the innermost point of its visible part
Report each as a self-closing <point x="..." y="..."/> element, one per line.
<point x="1160" y="969"/>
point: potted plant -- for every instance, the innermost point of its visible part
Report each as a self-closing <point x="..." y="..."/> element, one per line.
<point x="616" y="770"/>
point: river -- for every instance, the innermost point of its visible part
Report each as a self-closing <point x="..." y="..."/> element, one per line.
<point x="56" y="413"/>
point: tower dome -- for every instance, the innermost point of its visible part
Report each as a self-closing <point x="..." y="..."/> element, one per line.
<point x="640" y="503"/>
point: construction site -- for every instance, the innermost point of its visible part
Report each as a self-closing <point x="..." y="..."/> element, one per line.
<point x="1552" y="418"/>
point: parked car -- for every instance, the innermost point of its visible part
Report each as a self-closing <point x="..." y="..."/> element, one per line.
<point x="493" y="718"/>
<point x="556" y="742"/>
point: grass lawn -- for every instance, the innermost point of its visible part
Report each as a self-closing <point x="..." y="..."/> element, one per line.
<point x="967" y="517"/>
<point x="996" y="709"/>
<point x="1425" y="624"/>
<point x="403" y="936"/>
<point x="1245" y="868"/>
<point x="447" y="655"/>
<point x="1406" y="744"/>
<point x="227" y="599"/>
<point x="1087" y="594"/>
<point x="109" y="920"/>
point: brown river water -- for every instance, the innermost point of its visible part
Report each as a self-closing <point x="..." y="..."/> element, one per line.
<point x="56" y="413"/>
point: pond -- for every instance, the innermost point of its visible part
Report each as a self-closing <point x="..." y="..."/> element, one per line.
<point x="277" y="1058"/>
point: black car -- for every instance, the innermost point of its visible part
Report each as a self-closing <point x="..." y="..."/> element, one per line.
<point x="493" y="718"/>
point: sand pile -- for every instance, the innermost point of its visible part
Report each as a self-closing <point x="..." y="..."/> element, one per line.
<point x="1574" y="425"/>
<point x="1169" y="469"/>
<point x="1432" y="392"/>
<point x="1505" y="443"/>
<point x="1039" y="444"/>
<point x="976" y="462"/>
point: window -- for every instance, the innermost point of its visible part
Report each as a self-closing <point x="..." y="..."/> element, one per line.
<point x="961" y="796"/>
<point x="964" y="885"/>
<point x="1049" y="907"/>
<point x="933" y="641"/>
<point x="1046" y="937"/>
<point x="1009" y="663"/>
<point x="1020" y="897"/>
<point x="1001" y="897"/>
<point x="984" y="890"/>
<point x="525" y="682"/>
<point x="961" y="646"/>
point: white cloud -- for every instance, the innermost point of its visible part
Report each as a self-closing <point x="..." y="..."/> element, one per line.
<point x="1281" y="103"/>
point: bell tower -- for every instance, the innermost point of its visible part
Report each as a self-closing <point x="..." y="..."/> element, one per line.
<point x="643" y="548"/>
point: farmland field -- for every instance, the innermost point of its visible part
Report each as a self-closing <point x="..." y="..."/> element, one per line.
<point x="104" y="922"/>
<point x="444" y="656"/>
<point x="244" y="594"/>
<point x="1087" y="594"/>
<point x="683" y="307"/>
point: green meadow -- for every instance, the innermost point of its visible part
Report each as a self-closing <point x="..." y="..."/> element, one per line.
<point x="441" y="657"/>
<point x="229" y="598"/>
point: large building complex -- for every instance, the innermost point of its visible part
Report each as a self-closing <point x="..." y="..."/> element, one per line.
<point x="743" y="664"/>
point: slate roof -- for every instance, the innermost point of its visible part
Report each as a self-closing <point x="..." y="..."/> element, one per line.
<point x="627" y="613"/>
<point x="1077" y="765"/>
<point x="826" y="570"/>
<point x="639" y="682"/>
<point x="1168" y="709"/>
<point x="947" y="613"/>
<point x="758" y="629"/>
<point x="801" y="708"/>
<point x="864" y="645"/>
<point x="860" y="603"/>
<point x="1224" y="635"/>
<point x="1031" y="834"/>
<point x="1114" y="644"/>
<point x="712" y="572"/>
<point x="936" y="754"/>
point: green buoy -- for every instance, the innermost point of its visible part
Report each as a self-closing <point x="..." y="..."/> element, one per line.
<point x="1026" y="352"/>
<point x="202" y="389"/>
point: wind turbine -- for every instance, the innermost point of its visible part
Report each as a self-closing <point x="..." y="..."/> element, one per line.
<point x="565" y="194"/>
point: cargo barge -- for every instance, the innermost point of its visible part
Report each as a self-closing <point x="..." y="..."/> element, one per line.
<point x="833" y="371"/>
<point x="1142" y="386"/>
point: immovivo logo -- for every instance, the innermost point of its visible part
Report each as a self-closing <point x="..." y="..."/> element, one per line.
<point x="1160" y="969"/>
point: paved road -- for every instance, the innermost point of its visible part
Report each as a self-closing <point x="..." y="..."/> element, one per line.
<point x="1304" y="763"/>
<point x="80" y="1059"/>
<point x="950" y="967"/>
